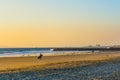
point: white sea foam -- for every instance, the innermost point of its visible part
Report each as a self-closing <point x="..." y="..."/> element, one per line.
<point x="45" y="53"/>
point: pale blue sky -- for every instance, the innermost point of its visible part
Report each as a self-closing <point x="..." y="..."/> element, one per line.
<point x="95" y="11"/>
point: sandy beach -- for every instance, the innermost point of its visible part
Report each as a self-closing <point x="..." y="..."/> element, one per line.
<point x="19" y="63"/>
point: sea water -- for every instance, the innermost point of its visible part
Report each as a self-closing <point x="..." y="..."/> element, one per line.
<point x="14" y="52"/>
<point x="18" y="52"/>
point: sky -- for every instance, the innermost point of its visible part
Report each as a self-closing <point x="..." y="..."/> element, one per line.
<point x="59" y="23"/>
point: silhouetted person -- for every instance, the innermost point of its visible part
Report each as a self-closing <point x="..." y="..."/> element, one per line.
<point x="40" y="56"/>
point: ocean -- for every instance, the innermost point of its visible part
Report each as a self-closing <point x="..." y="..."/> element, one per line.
<point x="11" y="52"/>
<point x="18" y="52"/>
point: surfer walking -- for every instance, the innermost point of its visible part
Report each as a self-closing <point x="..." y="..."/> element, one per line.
<point x="40" y="56"/>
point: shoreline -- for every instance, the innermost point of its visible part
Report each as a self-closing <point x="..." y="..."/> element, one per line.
<point x="16" y="64"/>
<point x="55" y="53"/>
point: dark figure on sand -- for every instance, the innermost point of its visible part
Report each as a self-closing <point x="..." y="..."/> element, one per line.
<point x="40" y="56"/>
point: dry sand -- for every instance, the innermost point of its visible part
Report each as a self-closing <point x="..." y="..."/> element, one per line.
<point x="14" y="63"/>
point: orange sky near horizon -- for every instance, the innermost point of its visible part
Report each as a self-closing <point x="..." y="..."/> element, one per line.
<point x="47" y="36"/>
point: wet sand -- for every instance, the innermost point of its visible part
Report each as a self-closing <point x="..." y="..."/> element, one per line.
<point x="19" y="63"/>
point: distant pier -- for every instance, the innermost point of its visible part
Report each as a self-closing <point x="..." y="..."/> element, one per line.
<point x="88" y="49"/>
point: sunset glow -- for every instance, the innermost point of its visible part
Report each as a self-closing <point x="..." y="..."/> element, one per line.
<point x="52" y="23"/>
